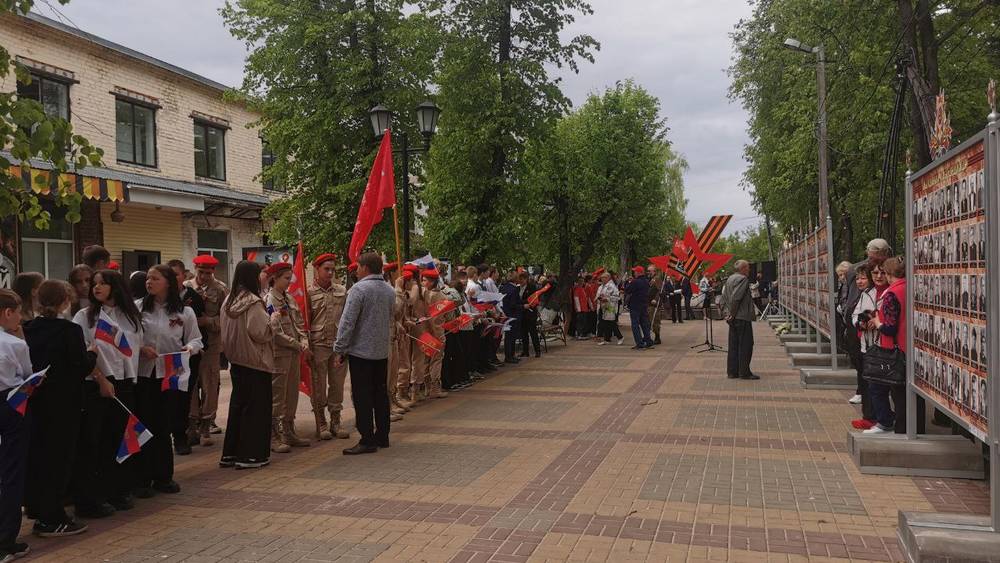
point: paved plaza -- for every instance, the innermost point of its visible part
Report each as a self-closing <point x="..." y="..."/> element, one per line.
<point x="592" y="453"/>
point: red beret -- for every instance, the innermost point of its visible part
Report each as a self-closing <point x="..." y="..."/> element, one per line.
<point x="206" y="261"/>
<point x="638" y="270"/>
<point x="411" y="268"/>
<point x="112" y="265"/>
<point x="389" y="267"/>
<point x="598" y="272"/>
<point x="430" y="273"/>
<point x="352" y="267"/>
<point x="323" y="258"/>
<point x="277" y="268"/>
<point x="407" y="275"/>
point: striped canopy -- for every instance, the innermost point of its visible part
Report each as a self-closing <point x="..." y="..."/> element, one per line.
<point x="91" y="187"/>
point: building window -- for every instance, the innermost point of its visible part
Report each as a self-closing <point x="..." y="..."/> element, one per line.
<point x="209" y="151"/>
<point x="48" y="251"/>
<point x="135" y="133"/>
<point x="216" y="243"/>
<point x="266" y="160"/>
<point x="52" y="94"/>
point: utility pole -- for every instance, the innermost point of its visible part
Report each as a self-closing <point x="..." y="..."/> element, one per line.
<point x="824" y="165"/>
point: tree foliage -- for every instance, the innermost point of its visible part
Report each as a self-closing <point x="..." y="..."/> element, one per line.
<point x="604" y="174"/>
<point x="955" y="40"/>
<point x="498" y="93"/>
<point x="315" y="69"/>
<point x="28" y="133"/>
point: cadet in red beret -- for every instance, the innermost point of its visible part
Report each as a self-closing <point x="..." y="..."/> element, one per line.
<point x="276" y="268"/>
<point x="205" y="396"/>
<point x="206" y="261"/>
<point x="290" y="342"/>
<point x="327" y="257"/>
<point x="326" y="304"/>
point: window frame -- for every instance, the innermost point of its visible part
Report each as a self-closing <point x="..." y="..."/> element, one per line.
<point x="206" y="125"/>
<point x="47" y="241"/>
<point x="156" y="152"/>
<point x="38" y="77"/>
<point x="268" y="183"/>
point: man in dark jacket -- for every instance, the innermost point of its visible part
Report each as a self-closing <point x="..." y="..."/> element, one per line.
<point x="686" y="293"/>
<point x="637" y="294"/>
<point x="738" y="312"/>
<point x="513" y="308"/>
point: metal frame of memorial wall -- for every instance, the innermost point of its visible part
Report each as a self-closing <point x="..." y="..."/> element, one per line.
<point x="790" y="300"/>
<point x="990" y="138"/>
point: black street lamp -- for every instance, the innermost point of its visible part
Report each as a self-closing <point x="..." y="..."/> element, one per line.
<point x="427" y="118"/>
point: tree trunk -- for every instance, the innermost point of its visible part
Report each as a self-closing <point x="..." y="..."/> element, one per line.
<point x="847" y="237"/>
<point x="928" y="45"/>
<point x="920" y="130"/>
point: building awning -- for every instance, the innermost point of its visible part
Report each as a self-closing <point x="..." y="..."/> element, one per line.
<point x="44" y="182"/>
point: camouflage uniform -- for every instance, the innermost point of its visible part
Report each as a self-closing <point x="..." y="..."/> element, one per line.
<point x="290" y="341"/>
<point x="205" y="399"/>
<point x="326" y="305"/>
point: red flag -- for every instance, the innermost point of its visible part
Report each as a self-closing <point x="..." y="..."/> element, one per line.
<point x="534" y="297"/>
<point x="430" y="344"/>
<point x="380" y="193"/>
<point x="483" y="306"/>
<point x="440" y="308"/>
<point x="299" y="292"/>
<point x="458" y="323"/>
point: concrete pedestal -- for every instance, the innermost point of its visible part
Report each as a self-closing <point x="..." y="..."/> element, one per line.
<point x="926" y="537"/>
<point x="927" y="456"/>
<point x="812" y="359"/>
<point x="817" y="378"/>
<point x="792" y="337"/>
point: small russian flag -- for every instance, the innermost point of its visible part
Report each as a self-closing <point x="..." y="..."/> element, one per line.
<point x="176" y="371"/>
<point x="18" y="397"/>
<point x="109" y="333"/>
<point x="135" y="436"/>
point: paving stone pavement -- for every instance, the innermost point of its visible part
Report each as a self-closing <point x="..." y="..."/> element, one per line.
<point x="591" y="453"/>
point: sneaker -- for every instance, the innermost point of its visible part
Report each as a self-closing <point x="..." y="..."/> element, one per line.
<point x="621" y="341"/>
<point x="71" y="528"/>
<point x="101" y="510"/>
<point x="603" y="343"/>
<point x="855" y="400"/>
<point x="876" y="430"/>
<point x="213" y="429"/>
<point x="227" y="461"/>
<point x="13" y="551"/>
<point x="251" y="463"/>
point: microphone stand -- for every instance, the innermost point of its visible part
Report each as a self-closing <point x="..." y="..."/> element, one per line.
<point x="709" y="331"/>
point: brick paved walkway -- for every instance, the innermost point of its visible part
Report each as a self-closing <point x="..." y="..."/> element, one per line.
<point x="589" y="454"/>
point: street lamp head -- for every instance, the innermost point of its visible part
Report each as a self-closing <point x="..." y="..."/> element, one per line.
<point x="427" y="118"/>
<point x="381" y="118"/>
<point x="796" y="45"/>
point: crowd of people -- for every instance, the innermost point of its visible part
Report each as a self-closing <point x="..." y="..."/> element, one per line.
<point x="871" y="307"/>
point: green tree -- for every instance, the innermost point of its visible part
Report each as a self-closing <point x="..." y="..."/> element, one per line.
<point x="497" y="93"/>
<point x="604" y="174"/>
<point x="28" y="133"/>
<point x="315" y="69"/>
<point x="863" y="42"/>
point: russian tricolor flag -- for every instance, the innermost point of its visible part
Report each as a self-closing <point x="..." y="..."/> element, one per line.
<point x="176" y="371"/>
<point x="135" y="436"/>
<point x="18" y="397"/>
<point x="109" y="333"/>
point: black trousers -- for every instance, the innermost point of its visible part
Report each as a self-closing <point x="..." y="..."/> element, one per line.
<point x="689" y="312"/>
<point x="98" y="476"/>
<point x="55" y="408"/>
<point x="470" y="346"/>
<point x="529" y="330"/>
<point x="482" y="353"/>
<point x="510" y="338"/>
<point x="14" y="432"/>
<point x="180" y="403"/>
<point x="740" y="348"/>
<point x="675" y="309"/>
<point x="155" y="462"/>
<point x="857" y="362"/>
<point x="371" y="400"/>
<point x="248" y="429"/>
<point x="607" y="328"/>
<point x="453" y="361"/>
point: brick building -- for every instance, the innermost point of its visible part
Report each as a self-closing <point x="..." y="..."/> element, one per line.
<point x="181" y="166"/>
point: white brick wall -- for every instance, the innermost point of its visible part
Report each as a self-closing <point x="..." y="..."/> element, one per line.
<point x="92" y="106"/>
<point x="242" y="234"/>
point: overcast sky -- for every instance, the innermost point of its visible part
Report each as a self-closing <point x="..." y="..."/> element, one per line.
<point x="677" y="49"/>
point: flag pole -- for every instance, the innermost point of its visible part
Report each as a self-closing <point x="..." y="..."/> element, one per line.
<point x="399" y="254"/>
<point x="117" y="400"/>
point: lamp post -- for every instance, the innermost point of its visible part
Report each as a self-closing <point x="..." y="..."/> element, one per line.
<point x="796" y="45"/>
<point x="427" y="118"/>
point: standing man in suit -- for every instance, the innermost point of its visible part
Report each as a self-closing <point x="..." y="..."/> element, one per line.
<point x="737" y="309"/>
<point x="686" y="293"/>
<point x="673" y="297"/>
<point x="638" y="292"/>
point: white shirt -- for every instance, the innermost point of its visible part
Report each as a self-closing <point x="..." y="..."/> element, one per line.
<point x="472" y="289"/>
<point x="167" y="332"/>
<point x="15" y="362"/>
<point x="490" y="285"/>
<point x="112" y="363"/>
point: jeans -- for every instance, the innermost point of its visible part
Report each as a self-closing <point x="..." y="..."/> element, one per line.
<point x="879" y="393"/>
<point x="640" y="328"/>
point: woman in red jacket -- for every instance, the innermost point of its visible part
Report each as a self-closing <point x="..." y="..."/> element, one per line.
<point x="891" y="325"/>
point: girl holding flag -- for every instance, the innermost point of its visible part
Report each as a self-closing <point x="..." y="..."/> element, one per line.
<point x="113" y="325"/>
<point x="168" y="327"/>
<point x="15" y="367"/>
<point x="290" y="341"/>
<point x="59" y="345"/>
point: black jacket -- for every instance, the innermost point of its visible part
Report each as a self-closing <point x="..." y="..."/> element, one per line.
<point x="686" y="287"/>
<point x="513" y="307"/>
<point x="637" y="292"/>
<point x="59" y="345"/>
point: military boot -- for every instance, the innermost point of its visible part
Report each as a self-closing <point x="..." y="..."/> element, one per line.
<point x="414" y="397"/>
<point x="436" y="392"/>
<point x="289" y="436"/>
<point x="399" y="399"/>
<point x="335" y="427"/>
<point x="277" y="445"/>
<point x="322" y="429"/>
<point x="204" y="428"/>
<point x="193" y="436"/>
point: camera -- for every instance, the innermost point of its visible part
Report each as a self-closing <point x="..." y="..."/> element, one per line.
<point x="864" y="317"/>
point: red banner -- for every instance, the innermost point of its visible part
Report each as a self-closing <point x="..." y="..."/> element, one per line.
<point x="299" y="292"/>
